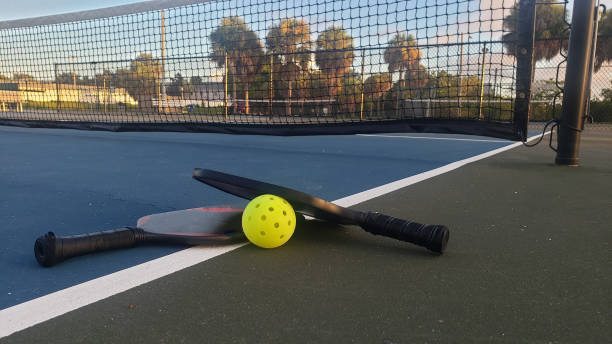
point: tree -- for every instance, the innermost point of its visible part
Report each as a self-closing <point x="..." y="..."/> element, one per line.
<point x="66" y="78"/>
<point x="606" y="94"/>
<point x="604" y="42"/>
<point x="550" y="32"/>
<point x="244" y="53"/>
<point x="23" y="77"/>
<point x="415" y="80"/>
<point x="350" y="93"/>
<point x="334" y="55"/>
<point x="443" y="85"/>
<point x="141" y="80"/>
<point x="146" y="76"/>
<point x="376" y="86"/>
<point x="178" y="85"/>
<point x="196" y="80"/>
<point x="312" y="85"/>
<point x="290" y="43"/>
<point x="403" y="56"/>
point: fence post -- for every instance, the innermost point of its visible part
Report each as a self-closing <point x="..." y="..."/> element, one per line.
<point x="482" y="76"/>
<point x="57" y="95"/>
<point x="271" y="85"/>
<point x="362" y="82"/>
<point x="459" y="82"/>
<point x="225" y="86"/>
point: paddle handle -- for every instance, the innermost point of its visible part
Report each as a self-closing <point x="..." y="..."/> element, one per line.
<point x="433" y="237"/>
<point x="50" y="249"/>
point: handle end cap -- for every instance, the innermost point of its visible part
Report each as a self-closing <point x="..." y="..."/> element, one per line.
<point x="440" y="240"/>
<point x="44" y="250"/>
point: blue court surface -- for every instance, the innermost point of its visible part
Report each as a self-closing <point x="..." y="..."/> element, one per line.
<point x="73" y="182"/>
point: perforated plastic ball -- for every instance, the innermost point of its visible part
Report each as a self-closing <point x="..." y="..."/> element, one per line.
<point x="268" y="221"/>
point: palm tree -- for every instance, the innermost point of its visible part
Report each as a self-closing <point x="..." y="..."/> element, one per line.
<point x="604" y="43"/>
<point x="550" y="32"/>
<point x="376" y="86"/>
<point x="349" y="94"/>
<point x="289" y="41"/>
<point x="244" y="53"/>
<point x="403" y="56"/>
<point x="334" y="55"/>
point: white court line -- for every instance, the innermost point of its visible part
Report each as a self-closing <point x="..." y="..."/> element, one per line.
<point x="433" y="138"/>
<point x="47" y="307"/>
<point x="30" y="313"/>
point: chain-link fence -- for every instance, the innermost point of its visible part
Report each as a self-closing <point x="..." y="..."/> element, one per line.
<point x="548" y="96"/>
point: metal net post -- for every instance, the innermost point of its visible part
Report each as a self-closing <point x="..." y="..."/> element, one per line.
<point x="576" y="82"/>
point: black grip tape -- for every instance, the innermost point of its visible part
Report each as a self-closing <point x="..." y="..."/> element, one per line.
<point x="50" y="250"/>
<point x="433" y="237"/>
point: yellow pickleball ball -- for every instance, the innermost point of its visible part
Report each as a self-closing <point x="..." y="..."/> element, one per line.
<point x="268" y="221"/>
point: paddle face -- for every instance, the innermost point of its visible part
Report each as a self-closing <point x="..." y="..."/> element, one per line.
<point x="195" y="222"/>
<point x="301" y="202"/>
<point x="195" y="226"/>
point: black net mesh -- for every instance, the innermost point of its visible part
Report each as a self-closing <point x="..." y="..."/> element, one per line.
<point x="272" y="67"/>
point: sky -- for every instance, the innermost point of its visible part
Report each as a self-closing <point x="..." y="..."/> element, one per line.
<point x="33" y="8"/>
<point x="36" y="8"/>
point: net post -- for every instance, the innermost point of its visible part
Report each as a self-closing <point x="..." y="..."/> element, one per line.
<point x="524" y="66"/>
<point x="576" y="82"/>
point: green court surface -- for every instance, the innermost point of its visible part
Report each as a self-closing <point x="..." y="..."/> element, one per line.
<point x="528" y="261"/>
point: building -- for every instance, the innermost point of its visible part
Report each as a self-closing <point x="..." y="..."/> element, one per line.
<point x="209" y="94"/>
<point x="36" y="94"/>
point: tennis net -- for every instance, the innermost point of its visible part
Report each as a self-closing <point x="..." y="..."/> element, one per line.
<point x="278" y="67"/>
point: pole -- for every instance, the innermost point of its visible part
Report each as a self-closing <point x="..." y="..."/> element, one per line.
<point x="459" y="82"/>
<point x="271" y="85"/>
<point x="163" y="61"/>
<point x="484" y="58"/>
<point x="225" y="90"/>
<point x="97" y="88"/>
<point x="494" y="87"/>
<point x="57" y="97"/>
<point x="576" y="86"/>
<point x="399" y="90"/>
<point x="104" y="94"/>
<point x="362" y="82"/>
<point x="73" y="70"/>
<point x="27" y="90"/>
<point x="525" y="65"/>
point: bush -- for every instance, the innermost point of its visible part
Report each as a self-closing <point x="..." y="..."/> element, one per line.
<point x="601" y="111"/>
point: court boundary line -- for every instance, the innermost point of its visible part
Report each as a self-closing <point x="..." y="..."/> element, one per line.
<point x="47" y="307"/>
<point x="433" y="138"/>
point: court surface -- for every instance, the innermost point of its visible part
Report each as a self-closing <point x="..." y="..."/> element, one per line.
<point x="528" y="259"/>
